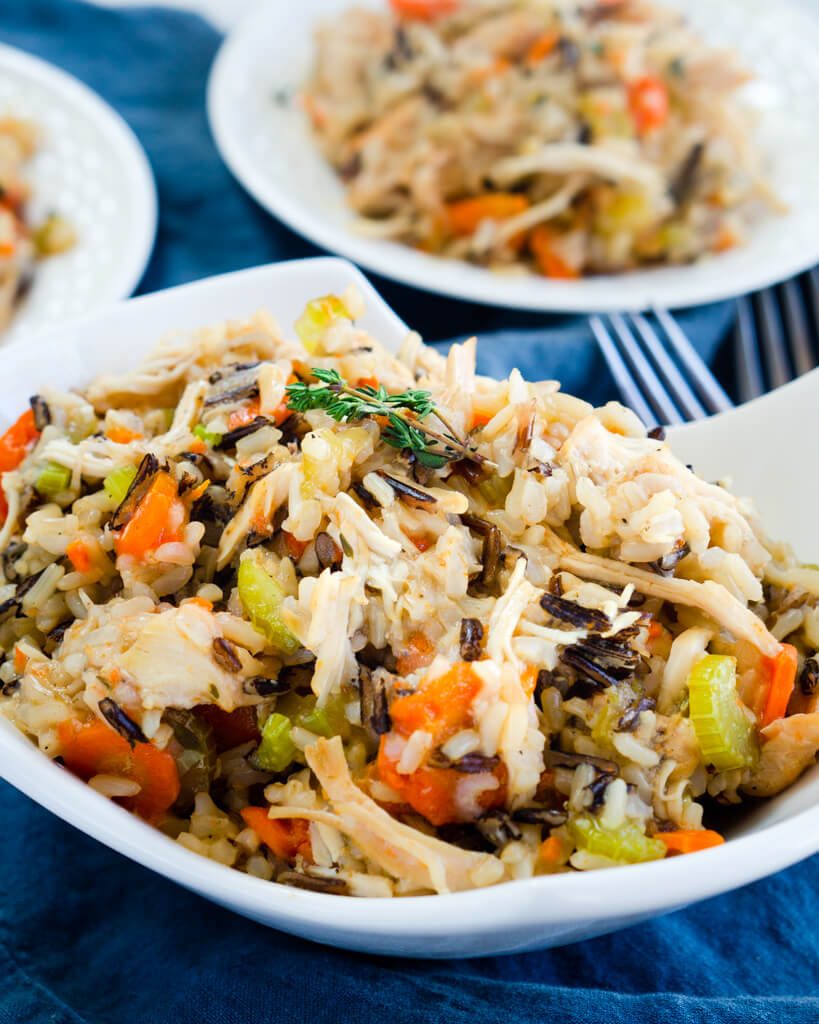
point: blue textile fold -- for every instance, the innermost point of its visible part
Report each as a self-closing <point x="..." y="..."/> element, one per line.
<point x="87" y="936"/>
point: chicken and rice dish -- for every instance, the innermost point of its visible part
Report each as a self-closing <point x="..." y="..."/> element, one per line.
<point x="538" y="136"/>
<point x="372" y="624"/>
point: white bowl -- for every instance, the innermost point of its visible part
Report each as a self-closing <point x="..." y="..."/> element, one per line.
<point x="268" y="147"/>
<point x="90" y="168"/>
<point x="512" y="917"/>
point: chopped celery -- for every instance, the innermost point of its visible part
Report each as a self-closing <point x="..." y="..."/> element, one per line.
<point x="118" y="481"/>
<point x="626" y="843"/>
<point x="327" y="721"/>
<point x="724" y="732"/>
<point x="52" y="480"/>
<point x="261" y="598"/>
<point x="55" y="235"/>
<point x="318" y="315"/>
<point x="210" y="437"/>
<point x="277" y="749"/>
<point x="495" y="489"/>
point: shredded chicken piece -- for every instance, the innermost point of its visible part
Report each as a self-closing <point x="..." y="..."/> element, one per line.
<point x="402" y="851"/>
<point x="571" y="157"/>
<point x="710" y="597"/>
<point x="790" y="746"/>
<point x="258" y="508"/>
<point x="158" y="659"/>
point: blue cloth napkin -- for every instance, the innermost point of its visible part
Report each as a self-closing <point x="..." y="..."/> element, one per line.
<point x="87" y="936"/>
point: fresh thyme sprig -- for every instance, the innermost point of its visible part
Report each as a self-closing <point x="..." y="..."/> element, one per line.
<point x="404" y="413"/>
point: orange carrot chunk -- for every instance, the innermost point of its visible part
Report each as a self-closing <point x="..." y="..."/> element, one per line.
<point x="689" y="840"/>
<point x="542" y="46"/>
<point x="158" y="519"/>
<point x="648" y="103"/>
<point x="549" y="261"/>
<point x="95" y="749"/>
<point x="781" y="671"/>
<point x="15" y="444"/>
<point x="465" y="215"/>
<point x="286" y="837"/>
<point x="424" y="10"/>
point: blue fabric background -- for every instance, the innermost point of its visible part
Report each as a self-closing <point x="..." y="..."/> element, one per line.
<point x="89" y="937"/>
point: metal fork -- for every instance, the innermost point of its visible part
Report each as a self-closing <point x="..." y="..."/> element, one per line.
<point x="658" y="372"/>
<point x="663" y="378"/>
<point x="783" y="323"/>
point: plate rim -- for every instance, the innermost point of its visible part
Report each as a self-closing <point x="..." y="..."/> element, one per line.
<point x="111" y="123"/>
<point x="481" y="286"/>
<point x="640" y="890"/>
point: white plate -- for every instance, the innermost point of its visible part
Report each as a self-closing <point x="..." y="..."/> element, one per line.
<point x="269" y="149"/>
<point x="90" y="168"/>
<point x="508" y="918"/>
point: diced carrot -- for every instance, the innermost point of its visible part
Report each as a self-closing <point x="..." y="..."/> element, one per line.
<point x="230" y="728"/>
<point x="79" y="555"/>
<point x="120" y="434"/>
<point x="549" y="261"/>
<point x="781" y="671"/>
<point x="464" y="215"/>
<point x="542" y="47"/>
<point x="479" y="418"/>
<point x="432" y="792"/>
<point x="197" y="446"/>
<point x="440" y="706"/>
<point x="528" y="680"/>
<point x="295" y="548"/>
<point x="247" y="414"/>
<point x="424" y="10"/>
<point x="20" y="661"/>
<point x="286" y="837"/>
<point x="689" y="840"/>
<point x="367" y="382"/>
<point x="158" y="519"/>
<point x="418" y="653"/>
<point x="17" y="441"/>
<point x="7" y="249"/>
<point x="726" y="239"/>
<point x="95" y="749"/>
<point x="551" y="852"/>
<point x="648" y="103"/>
<point x="422" y="541"/>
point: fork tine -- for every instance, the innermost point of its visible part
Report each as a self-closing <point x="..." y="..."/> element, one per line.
<point x="813" y="287"/>
<point x="796" y="327"/>
<point x="653" y="387"/>
<point x="626" y="384"/>
<point x="685" y="397"/>
<point x="749" y="368"/>
<point x="712" y="393"/>
<point x="773" y="343"/>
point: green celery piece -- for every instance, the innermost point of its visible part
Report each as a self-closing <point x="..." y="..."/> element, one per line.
<point x="318" y="315"/>
<point x="627" y="843"/>
<point x="277" y="749"/>
<point x="726" y="737"/>
<point x="328" y="721"/>
<point x="210" y="437"/>
<point x="118" y="481"/>
<point x="52" y="480"/>
<point x="261" y="598"/>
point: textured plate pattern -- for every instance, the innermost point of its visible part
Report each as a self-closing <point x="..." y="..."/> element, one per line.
<point x="90" y="168"/>
<point x="268" y="147"/>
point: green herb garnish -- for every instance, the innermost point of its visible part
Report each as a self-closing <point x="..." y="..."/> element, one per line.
<point x="404" y="413"/>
